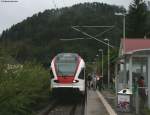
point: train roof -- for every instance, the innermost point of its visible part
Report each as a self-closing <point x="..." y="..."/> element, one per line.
<point x="67" y="54"/>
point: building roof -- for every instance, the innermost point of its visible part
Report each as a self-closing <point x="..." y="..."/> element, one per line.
<point x="129" y="46"/>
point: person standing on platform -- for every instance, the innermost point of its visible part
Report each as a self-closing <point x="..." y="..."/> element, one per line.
<point x="89" y="81"/>
<point x="142" y="91"/>
<point x="94" y="81"/>
<point x="141" y="86"/>
<point x="99" y="82"/>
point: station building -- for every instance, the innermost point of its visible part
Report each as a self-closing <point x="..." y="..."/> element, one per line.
<point x="132" y="64"/>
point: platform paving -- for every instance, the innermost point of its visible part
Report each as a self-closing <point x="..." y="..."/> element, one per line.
<point x="111" y="99"/>
<point x="94" y="104"/>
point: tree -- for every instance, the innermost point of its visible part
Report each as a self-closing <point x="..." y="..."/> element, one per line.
<point x="136" y="18"/>
<point x="38" y="37"/>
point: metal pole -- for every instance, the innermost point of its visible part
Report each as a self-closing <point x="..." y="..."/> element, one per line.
<point x="108" y="66"/>
<point x="102" y="69"/>
<point x="97" y="62"/>
<point x="102" y="63"/>
<point x="108" y="63"/>
<point x="124" y="37"/>
<point x="116" y="78"/>
<point x="124" y="30"/>
<point x="124" y="27"/>
<point x="124" y="23"/>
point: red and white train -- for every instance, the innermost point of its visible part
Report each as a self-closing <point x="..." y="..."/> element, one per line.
<point x="68" y="72"/>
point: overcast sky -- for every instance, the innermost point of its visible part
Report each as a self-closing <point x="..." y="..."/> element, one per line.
<point x="12" y="13"/>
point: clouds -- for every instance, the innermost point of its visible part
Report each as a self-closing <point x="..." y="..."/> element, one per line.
<point x="12" y="13"/>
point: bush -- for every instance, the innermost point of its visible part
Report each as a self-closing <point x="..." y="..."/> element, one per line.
<point x="146" y="111"/>
<point x="22" y="89"/>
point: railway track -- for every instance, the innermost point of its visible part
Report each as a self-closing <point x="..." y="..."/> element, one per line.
<point x="65" y="106"/>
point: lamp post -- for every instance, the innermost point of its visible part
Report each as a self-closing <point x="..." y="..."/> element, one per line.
<point x="108" y="62"/>
<point x="100" y="50"/>
<point x="124" y="26"/>
<point x="97" y="62"/>
<point x="124" y="22"/>
<point x="124" y="47"/>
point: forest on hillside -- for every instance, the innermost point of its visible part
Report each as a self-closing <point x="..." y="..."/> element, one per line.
<point x="38" y="37"/>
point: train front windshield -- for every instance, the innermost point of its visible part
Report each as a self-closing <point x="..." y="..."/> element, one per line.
<point x="66" y="65"/>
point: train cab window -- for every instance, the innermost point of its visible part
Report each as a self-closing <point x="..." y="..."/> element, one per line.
<point x="66" y="64"/>
<point x="82" y="73"/>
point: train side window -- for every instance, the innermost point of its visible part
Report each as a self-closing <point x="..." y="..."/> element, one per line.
<point x="81" y="75"/>
<point x="51" y="74"/>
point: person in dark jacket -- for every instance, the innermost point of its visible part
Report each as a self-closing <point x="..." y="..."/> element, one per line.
<point x="89" y="81"/>
<point x="141" y="86"/>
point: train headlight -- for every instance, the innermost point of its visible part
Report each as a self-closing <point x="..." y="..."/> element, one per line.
<point x="75" y="81"/>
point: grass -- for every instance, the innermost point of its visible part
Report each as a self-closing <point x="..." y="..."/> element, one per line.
<point x="146" y="111"/>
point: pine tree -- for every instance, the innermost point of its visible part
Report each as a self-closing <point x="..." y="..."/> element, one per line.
<point x="136" y="19"/>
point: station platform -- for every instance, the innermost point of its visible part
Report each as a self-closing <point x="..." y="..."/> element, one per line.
<point x="111" y="98"/>
<point x="97" y="105"/>
<point x="102" y="103"/>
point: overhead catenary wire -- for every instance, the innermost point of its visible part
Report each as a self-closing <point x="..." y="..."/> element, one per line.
<point x="93" y="26"/>
<point x="90" y="36"/>
<point x="72" y="39"/>
<point x="94" y="36"/>
<point x="104" y="31"/>
<point x="84" y="33"/>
